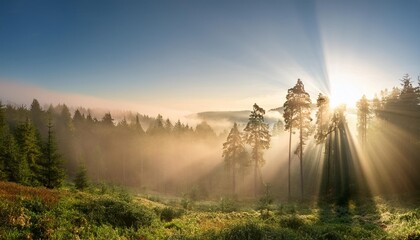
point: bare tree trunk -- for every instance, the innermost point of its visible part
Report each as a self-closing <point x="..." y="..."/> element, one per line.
<point x="233" y="176"/>
<point x="301" y="156"/>
<point x="290" y="156"/>
<point x="328" y="164"/>
<point x="255" y="177"/>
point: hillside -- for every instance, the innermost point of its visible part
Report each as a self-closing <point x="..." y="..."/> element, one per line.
<point x="106" y="212"/>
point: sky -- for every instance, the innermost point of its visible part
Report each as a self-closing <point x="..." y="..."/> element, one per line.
<point x="191" y="56"/>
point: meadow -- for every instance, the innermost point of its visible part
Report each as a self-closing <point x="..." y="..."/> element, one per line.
<point x="110" y="212"/>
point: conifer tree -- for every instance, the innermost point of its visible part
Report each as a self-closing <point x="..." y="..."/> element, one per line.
<point x="277" y="128"/>
<point x="363" y="115"/>
<point x="52" y="171"/>
<point x="156" y="127"/>
<point x="107" y="120"/>
<point x="137" y="126"/>
<point x="258" y="136"/>
<point x="233" y="149"/>
<point x="81" y="179"/>
<point x="168" y="126"/>
<point x="297" y="110"/>
<point x="30" y="153"/>
<point x="322" y="117"/>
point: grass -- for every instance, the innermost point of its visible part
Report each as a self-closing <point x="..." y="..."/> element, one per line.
<point x="110" y="213"/>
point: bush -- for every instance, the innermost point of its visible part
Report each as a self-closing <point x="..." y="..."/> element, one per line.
<point x="247" y="231"/>
<point x="292" y="222"/>
<point x="228" y="205"/>
<point x="168" y="213"/>
<point x="116" y="213"/>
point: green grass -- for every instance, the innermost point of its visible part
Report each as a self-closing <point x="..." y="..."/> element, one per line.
<point x="112" y="213"/>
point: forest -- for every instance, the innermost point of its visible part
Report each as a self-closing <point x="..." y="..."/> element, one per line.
<point x="313" y="154"/>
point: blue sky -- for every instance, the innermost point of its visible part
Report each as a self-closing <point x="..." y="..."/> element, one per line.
<point x="206" y="55"/>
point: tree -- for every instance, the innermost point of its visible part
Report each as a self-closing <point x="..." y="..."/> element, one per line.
<point x="53" y="173"/>
<point x="376" y="106"/>
<point x="81" y="179"/>
<point x="322" y="117"/>
<point x="107" y="120"/>
<point x="277" y="128"/>
<point x="363" y="114"/>
<point x="204" y="130"/>
<point x="30" y="152"/>
<point x="258" y="136"/>
<point x="78" y="119"/>
<point x="408" y="95"/>
<point x="168" y="126"/>
<point x="137" y="126"/>
<point x="156" y="127"/>
<point x="233" y="148"/>
<point x="297" y="110"/>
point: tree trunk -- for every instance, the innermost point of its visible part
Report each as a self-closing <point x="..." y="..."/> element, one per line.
<point x="233" y="175"/>
<point x="290" y="156"/>
<point x="328" y="164"/>
<point x="301" y="156"/>
<point x="255" y="177"/>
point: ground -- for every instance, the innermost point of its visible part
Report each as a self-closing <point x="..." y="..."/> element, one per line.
<point x="106" y="212"/>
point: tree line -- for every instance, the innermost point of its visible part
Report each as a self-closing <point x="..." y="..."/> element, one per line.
<point x="399" y="107"/>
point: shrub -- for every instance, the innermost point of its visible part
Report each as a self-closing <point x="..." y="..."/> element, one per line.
<point x="168" y="213"/>
<point x="291" y="222"/>
<point x="116" y="213"/>
<point x="228" y="205"/>
<point x="247" y="231"/>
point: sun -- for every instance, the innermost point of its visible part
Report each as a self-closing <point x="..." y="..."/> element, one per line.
<point x="344" y="93"/>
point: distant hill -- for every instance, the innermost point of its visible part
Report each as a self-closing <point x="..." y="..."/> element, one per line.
<point x="232" y="116"/>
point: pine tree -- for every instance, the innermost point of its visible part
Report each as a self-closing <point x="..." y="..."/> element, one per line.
<point x="297" y="110"/>
<point x="156" y="127"/>
<point x="168" y="126"/>
<point x="322" y="117"/>
<point x="78" y="119"/>
<point x="277" y="128"/>
<point x="258" y="136"/>
<point x="30" y="152"/>
<point x="107" y="120"/>
<point x="204" y="130"/>
<point x="363" y="115"/>
<point x="53" y="173"/>
<point x="81" y="180"/>
<point x="376" y="106"/>
<point x="233" y="149"/>
<point x="137" y="126"/>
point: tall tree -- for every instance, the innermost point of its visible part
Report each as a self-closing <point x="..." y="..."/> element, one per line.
<point x="53" y="173"/>
<point x="363" y="114"/>
<point x="30" y="152"/>
<point x="297" y="111"/>
<point x="107" y="120"/>
<point x="233" y="149"/>
<point x="37" y="116"/>
<point x="322" y="117"/>
<point x="258" y="136"/>
<point x="157" y="126"/>
<point x="137" y="126"/>
<point x="277" y="128"/>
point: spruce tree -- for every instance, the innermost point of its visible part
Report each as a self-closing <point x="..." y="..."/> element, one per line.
<point x="81" y="179"/>
<point x="52" y="171"/>
<point x="322" y="117"/>
<point x="363" y="115"/>
<point x="233" y="149"/>
<point x="30" y="154"/>
<point x="257" y="135"/>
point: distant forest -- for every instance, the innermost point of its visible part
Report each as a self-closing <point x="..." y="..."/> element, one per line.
<point x="47" y="146"/>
